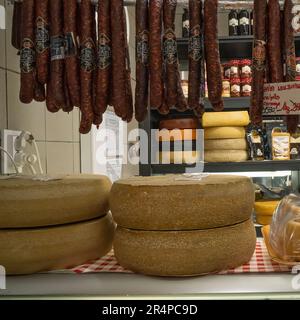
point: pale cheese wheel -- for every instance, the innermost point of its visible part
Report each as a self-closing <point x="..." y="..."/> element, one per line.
<point x="225" y="155"/>
<point x="226" y="144"/>
<point x="33" y="203"/>
<point x="174" y="202"/>
<point x="225" y="119"/>
<point x="185" y="253"/>
<point x="179" y="157"/>
<point x="224" y="133"/>
<point x="25" y="251"/>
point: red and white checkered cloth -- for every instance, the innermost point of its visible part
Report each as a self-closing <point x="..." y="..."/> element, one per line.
<point x="260" y="262"/>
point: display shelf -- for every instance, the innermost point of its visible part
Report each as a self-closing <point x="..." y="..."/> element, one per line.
<point x="239" y="47"/>
<point x="246" y="166"/>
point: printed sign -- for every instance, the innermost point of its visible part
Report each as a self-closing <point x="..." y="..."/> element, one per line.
<point x="281" y="99"/>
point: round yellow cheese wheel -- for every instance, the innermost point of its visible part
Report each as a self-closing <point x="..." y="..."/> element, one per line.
<point x="179" y="202"/>
<point x="266" y="207"/>
<point x="225" y="119"/>
<point x="33" y="203"/>
<point x="185" y="253"/>
<point x="24" y="251"/>
<point x="225" y="155"/>
<point x="224" y="133"/>
<point x="226" y="144"/>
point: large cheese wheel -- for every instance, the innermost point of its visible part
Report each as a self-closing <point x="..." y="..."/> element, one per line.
<point x="226" y="144"/>
<point x="185" y="253"/>
<point x="225" y="119"/>
<point x="179" y="123"/>
<point x="25" y="202"/>
<point x="177" y="135"/>
<point x="166" y="157"/>
<point x="24" y="251"/>
<point x="224" y="133"/>
<point x="225" y="155"/>
<point x="174" y="202"/>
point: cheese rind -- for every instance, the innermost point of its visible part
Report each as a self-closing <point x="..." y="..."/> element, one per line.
<point x="25" y="251"/>
<point x="224" y="133"/>
<point x="225" y="119"/>
<point x="225" y="155"/>
<point x="29" y="203"/>
<point x="173" y="202"/>
<point x="185" y="253"/>
<point x="226" y="144"/>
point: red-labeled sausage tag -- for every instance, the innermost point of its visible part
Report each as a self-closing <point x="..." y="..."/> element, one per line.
<point x="195" y="48"/>
<point x="170" y="47"/>
<point x="57" y="47"/>
<point x="87" y="55"/>
<point x="104" y="52"/>
<point x="27" y="56"/>
<point x="42" y="38"/>
<point x="142" y="47"/>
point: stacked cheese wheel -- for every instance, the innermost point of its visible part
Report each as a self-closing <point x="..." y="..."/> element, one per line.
<point x="177" y="141"/>
<point x="177" y="225"/>
<point x="54" y="223"/>
<point x="225" y="136"/>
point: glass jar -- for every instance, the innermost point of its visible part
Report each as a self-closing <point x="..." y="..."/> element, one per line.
<point x="245" y="68"/>
<point x="251" y="23"/>
<point x="298" y="67"/>
<point x="226" y="68"/>
<point x="185" y="23"/>
<point x="184" y="75"/>
<point x="235" y="87"/>
<point x="226" y="88"/>
<point x="233" y="23"/>
<point x="244" y="23"/>
<point x="246" y="87"/>
<point x="234" y="69"/>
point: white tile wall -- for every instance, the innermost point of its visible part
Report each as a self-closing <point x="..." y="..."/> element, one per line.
<point x="59" y="126"/>
<point x="3" y="118"/>
<point x="42" y="150"/>
<point x="76" y="123"/>
<point x="76" y="157"/>
<point x="2" y="42"/>
<point x="59" y="157"/>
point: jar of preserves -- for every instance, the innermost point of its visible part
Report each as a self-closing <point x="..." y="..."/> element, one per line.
<point x="226" y="88"/>
<point x="246" y="87"/>
<point x="226" y="68"/>
<point x="235" y="87"/>
<point x="234" y="69"/>
<point x="184" y="75"/>
<point x="244" y="23"/>
<point x="298" y="67"/>
<point x="233" y="23"/>
<point x="245" y="68"/>
<point x="185" y="23"/>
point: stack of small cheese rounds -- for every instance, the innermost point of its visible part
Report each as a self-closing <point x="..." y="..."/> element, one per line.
<point x="225" y="136"/>
<point x="183" y="225"/>
<point x="177" y="140"/>
<point x="53" y="223"/>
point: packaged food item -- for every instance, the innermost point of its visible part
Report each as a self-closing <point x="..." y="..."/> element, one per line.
<point x="185" y="23"/>
<point x="185" y="82"/>
<point x="226" y="68"/>
<point x="226" y="88"/>
<point x="298" y="67"/>
<point x="244" y="23"/>
<point x="264" y="211"/>
<point x="246" y="87"/>
<point x="251" y="23"/>
<point x="295" y="147"/>
<point x="280" y="145"/>
<point x="233" y="23"/>
<point x="234" y="69"/>
<point x="284" y="236"/>
<point x="256" y="144"/>
<point x="235" y="87"/>
<point x="245" y="68"/>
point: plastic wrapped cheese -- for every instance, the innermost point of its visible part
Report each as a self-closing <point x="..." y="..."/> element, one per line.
<point x="285" y="229"/>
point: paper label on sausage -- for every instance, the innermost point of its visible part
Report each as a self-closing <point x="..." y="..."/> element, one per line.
<point x="27" y="56"/>
<point x="142" y="47"/>
<point x="104" y="51"/>
<point x="195" y="48"/>
<point x="259" y="55"/>
<point x="42" y="38"/>
<point x="57" y="48"/>
<point x="70" y="45"/>
<point x="87" y="55"/>
<point x="170" y="47"/>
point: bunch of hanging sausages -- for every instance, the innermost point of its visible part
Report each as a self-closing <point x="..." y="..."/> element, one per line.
<point x="68" y="63"/>
<point x="69" y="59"/>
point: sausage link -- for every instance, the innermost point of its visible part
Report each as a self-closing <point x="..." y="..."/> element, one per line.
<point x="195" y="55"/>
<point x="290" y="57"/>
<point x="72" y="77"/>
<point x="68" y="107"/>
<point x="57" y="52"/>
<point x="259" y="61"/>
<point x="42" y="40"/>
<point x="87" y="60"/>
<point x="104" y="56"/>
<point x="156" y="55"/>
<point x="27" y="53"/>
<point x="39" y="92"/>
<point x="142" y="60"/>
<point x="16" y="33"/>
<point x="212" y="54"/>
<point x="170" y="52"/>
<point x="118" y="59"/>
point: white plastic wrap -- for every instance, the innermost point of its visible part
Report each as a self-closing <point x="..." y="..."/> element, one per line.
<point x="285" y="229"/>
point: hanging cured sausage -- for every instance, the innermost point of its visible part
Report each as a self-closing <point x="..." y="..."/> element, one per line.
<point x="16" y="33"/>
